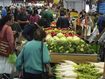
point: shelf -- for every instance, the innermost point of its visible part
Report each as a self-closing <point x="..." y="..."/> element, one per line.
<point x="78" y="58"/>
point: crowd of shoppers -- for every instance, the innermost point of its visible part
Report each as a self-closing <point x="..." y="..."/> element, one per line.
<point x="29" y="58"/>
<point x="27" y="22"/>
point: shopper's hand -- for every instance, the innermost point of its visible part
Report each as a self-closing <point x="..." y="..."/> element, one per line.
<point x="20" y="74"/>
<point x="27" y="21"/>
<point x="50" y="74"/>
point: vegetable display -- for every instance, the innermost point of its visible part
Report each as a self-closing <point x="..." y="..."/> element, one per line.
<point x="67" y="41"/>
<point x="71" y="70"/>
<point x="65" y="70"/>
<point x="87" y="71"/>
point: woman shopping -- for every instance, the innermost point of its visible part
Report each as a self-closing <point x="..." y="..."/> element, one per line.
<point x="30" y="58"/>
<point x="7" y="45"/>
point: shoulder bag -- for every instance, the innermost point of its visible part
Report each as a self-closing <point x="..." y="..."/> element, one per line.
<point x="44" y="74"/>
<point x="5" y="49"/>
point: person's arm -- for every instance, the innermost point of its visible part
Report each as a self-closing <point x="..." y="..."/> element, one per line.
<point x="46" y="55"/>
<point x="19" y="61"/>
<point x="10" y="37"/>
<point x="49" y="69"/>
<point x="19" y="21"/>
<point x="100" y="37"/>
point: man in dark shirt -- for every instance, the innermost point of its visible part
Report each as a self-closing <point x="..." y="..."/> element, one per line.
<point x="23" y="18"/>
<point x="62" y="21"/>
<point x="101" y="23"/>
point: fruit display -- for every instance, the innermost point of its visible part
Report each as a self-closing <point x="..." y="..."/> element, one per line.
<point x="66" y="41"/>
<point x="71" y="70"/>
<point x="55" y="31"/>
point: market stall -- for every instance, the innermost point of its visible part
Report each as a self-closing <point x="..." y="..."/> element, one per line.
<point x="65" y="44"/>
<point x="71" y="70"/>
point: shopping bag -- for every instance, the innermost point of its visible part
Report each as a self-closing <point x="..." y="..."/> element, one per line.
<point x="12" y="58"/>
<point x="94" y="34"/>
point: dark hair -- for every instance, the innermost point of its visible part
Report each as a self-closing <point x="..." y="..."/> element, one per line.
<point x="62" y="13"/>
<point x="28" y="32"/>
<point x="34" y="12"/>
<point x="39" y="34"/>
<point x="3" y="20"/>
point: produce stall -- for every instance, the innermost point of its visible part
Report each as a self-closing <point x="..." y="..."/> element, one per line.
<point x="71" y="70"/>
<point x="65" y="44"/>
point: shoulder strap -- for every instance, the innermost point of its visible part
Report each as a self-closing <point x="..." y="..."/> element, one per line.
<point x="42" y="56"/>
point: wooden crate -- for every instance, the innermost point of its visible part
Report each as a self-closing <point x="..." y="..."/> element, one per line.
<point x="78" y="58"/>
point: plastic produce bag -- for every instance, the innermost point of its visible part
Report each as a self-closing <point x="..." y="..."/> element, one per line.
<point x="101" y="40"/>
<point x="12" y="58"/>
<point x="94" y="34"/>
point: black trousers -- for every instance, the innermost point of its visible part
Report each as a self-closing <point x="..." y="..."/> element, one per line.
<point x="27" y="75"/>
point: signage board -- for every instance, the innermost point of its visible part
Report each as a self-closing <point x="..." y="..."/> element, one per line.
<point x="101" y="8"/>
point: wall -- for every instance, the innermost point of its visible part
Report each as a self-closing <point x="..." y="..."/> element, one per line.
<point x="5" y="2"/>
<point x="74" y="4"/>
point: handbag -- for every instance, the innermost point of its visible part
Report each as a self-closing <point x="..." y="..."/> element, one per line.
<point x="5" y="49"/>
<point x="12" y="58"/>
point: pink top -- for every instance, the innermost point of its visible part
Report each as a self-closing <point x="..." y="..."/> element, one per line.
<point x="35" y="18"/>
<point x="9" y="35"/>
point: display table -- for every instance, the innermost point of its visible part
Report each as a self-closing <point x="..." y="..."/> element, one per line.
<point x="78" y="58"/>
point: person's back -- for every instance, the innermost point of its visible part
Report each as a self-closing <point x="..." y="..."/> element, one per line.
<point x="62" y="22"/>
<point x="30" y="56"/>
<point x="101" y="23"/>
<point x="48" y="16"/>
<point x="4" y="12"/>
